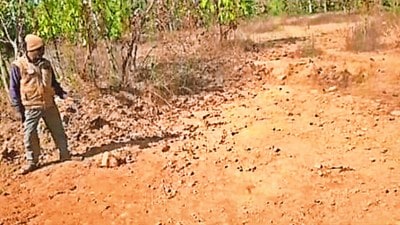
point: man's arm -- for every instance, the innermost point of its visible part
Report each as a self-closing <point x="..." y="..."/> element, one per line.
<point x="15" y="90"/>
<point x="56" y="86"/>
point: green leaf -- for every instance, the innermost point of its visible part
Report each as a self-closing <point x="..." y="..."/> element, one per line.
<point x="204" y="4"/>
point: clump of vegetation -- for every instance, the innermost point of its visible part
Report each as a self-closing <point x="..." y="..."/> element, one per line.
<point x="309" y="49"/>
<point x="116" y="30"/>
<point x="109" y="34"/>
<point x="364" y="36"/>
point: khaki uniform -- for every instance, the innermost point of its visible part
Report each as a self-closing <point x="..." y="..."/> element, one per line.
<point x="37" y="97"/>
<point x="36" y="87"/>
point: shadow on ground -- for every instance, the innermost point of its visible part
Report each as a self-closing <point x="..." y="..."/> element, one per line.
<point x="142" y="142"/>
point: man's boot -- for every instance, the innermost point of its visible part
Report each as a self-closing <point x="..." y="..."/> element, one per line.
<point x="29" y="167"/>
<point x="70" y="157"/>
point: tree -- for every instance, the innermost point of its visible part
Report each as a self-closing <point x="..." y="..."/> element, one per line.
<point x="88" y="23"/>
<point x="13" y="26"/>
<point x="226" y="13"/>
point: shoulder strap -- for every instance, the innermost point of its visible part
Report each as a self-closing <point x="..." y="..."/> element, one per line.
<point x="45" y="64"/>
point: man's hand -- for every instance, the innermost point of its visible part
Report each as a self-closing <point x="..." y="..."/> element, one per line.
<point x="20" y="113"/>
<point x="64" y="96"/>
<point x="21" y="117"/>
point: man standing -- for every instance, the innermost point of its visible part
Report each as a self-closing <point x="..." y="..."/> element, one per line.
<point x="32" y="89"/>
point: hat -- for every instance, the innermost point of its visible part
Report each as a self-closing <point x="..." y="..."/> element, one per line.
<point x="33" y="42"/>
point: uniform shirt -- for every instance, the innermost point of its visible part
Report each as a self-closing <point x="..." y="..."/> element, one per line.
<point x="15" y="88"/>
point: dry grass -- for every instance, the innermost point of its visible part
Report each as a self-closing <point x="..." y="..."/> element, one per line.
<point x="260" y="26"/>
<point x="308" y="49"/>
<point x="174" y="77"/>
<point x="245" y="45"/>
<point x="391" y="30"/>
<point x="186" y="63"/>
<point x="364" y="36"/>
<point x="182" y="63"/>
<point x="3" y="97"/>
<point x="362" y="75"/>
<point x="324" y="18"/>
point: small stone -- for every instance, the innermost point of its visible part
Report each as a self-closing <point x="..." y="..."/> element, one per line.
<point x="73" y="188"/>
<point x="372" y="159"/>
<point x="282" y="77"/>
<point x="194" y="183"/>
<point x="359" y="133"/>
<point x="166" y="148"/>
<point x="104" y="159"/>
<point x="5" y="193"/>
<point x="395" y="113"/>
<point x="319" y="202"/>
<point x="318" y="166"/>
<point x="331" y="89"/>
<point x="113" y="162"/>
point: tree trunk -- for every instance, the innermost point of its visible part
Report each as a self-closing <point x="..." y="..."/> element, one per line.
<point x="114" y="72"/>
<point x="103" y="31"/>
<point x="129" y="57"/>
<point x="58" y="58"/>
<point x="4" y="75"/>
<point x="310" y="7"/>
<point x="325" y="6"/>
<point x="20" y="28"/>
